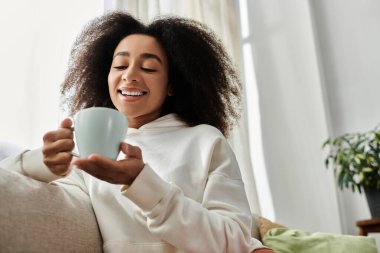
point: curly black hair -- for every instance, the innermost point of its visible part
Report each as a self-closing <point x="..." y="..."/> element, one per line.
<point x="201" y="74"/>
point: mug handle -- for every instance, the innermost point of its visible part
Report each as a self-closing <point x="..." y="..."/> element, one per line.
<point x="72" y="152"/>
<point x="75" y="154"/>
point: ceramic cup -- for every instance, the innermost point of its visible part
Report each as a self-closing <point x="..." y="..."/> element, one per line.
<point x="99" y="130"/>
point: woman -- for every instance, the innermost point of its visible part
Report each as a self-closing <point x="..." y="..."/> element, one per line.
<point x="177" y="186"/>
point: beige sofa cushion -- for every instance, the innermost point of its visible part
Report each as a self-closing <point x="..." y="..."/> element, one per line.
<point x="40" y="217"/>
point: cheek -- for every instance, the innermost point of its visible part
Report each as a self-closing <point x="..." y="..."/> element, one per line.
<point x="112" y="81"/>
<point x="111" y="85"/>
<point x="163" y="80"/>
<point x="163" y="86"/>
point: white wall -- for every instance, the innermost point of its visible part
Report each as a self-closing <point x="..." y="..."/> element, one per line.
<point x="349" y="39"/>
<point x="36" y="39"/>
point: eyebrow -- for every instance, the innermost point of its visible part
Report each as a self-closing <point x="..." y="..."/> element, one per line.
<point x="144" y="56"/>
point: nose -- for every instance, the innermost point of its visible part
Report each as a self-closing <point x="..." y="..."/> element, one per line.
<point x="130" y="75"/>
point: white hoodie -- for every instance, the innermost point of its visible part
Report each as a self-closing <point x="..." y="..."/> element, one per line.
<point x="188" y="198"/>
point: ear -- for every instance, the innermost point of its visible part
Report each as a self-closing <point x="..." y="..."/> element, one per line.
<point x="170" y="92"/>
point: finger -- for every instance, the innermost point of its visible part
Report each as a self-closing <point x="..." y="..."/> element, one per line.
<point x="102" y="161"/>
<point x="61" y="133"/>
<point x="58" y="164"/>
<point x="92" y="168"/>
<point x="66" y="123"/>
<point x="63" y="145"/>
<point x="62" y="158"/>
<point x="60" y="170"/>
<point x="115" y="172"/>
<point x="64" y="131"/>
<point x="131" y="151"/>
<point x="113" y="175"/>
<point x="118" y="172"/>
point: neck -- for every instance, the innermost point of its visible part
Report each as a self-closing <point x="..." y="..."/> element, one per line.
<point x="139" y="121"/>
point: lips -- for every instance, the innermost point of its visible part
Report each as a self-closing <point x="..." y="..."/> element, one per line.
<point x="131" y="92"/>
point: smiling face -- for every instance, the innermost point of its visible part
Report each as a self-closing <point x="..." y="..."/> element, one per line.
<point x="138" y="79"/>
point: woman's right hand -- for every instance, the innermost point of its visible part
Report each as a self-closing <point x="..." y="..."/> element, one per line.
<point x="57" y="148"/>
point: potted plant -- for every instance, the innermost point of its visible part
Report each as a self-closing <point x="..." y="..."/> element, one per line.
<point x="355" y="159"/>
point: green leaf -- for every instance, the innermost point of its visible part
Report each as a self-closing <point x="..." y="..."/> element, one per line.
<point x="360" y="156"/>
<point x="367" y="169"/>
<point x="327" y="142"/>
<point x="327" y="161"/>
<point x="361" y="177"/>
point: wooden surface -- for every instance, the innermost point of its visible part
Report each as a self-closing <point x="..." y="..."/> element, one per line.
<point x="368" y="226"/>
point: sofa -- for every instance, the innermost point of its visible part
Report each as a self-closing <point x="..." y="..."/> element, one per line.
<point x="41" y="217"/>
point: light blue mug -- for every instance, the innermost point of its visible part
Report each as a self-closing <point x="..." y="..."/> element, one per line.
<point x="99" y="130"/>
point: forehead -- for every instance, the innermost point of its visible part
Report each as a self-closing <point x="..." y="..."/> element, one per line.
<point x="140" y="43"/>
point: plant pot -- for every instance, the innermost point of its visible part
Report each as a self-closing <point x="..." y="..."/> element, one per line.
<point x="373" y="199"/>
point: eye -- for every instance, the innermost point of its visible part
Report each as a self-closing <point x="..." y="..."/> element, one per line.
<point x="148" y="70"/>
<point x="120" y="67"/>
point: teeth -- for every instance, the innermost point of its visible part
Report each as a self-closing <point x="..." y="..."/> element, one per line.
<point x="132" y="93"/>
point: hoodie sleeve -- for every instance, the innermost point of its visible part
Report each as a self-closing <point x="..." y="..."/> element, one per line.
<point x="30" y="163"/>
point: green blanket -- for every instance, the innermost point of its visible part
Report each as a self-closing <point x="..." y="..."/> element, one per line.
<point x="284" y="240"/>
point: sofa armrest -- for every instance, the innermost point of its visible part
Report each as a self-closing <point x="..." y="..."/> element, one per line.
<point x="41" y="217"/>
<point x="9" y="149"/>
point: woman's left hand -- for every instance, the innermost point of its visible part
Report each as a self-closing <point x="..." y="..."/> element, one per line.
<point x="114" y="172"/>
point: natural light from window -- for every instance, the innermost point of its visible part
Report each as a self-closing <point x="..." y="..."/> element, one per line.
<point x="254" y="121"/>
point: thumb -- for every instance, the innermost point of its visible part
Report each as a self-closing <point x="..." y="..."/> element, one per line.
<point x="131" y="151"/>
<point x="66" y="123"/>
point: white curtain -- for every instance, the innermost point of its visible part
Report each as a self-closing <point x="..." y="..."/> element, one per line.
<point x="222" y="16"/>
<point x="293" y="114"/>
<point x="36" y="38"/>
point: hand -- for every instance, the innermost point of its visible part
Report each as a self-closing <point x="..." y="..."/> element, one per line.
<point x="114" y="172"/>
<point x="57" y="148"/>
